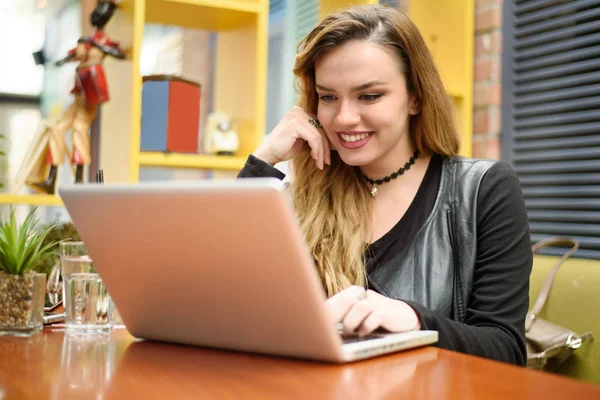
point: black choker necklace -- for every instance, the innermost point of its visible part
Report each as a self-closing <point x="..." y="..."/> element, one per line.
<point x="396" y="174"/>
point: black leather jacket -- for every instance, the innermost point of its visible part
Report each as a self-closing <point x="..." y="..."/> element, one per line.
<point x="442" y="253"/>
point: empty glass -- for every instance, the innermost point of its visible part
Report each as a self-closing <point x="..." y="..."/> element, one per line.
<point x="88" y="306"/>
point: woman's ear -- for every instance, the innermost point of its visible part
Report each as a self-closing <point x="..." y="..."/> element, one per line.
<point x="414" y="107"/>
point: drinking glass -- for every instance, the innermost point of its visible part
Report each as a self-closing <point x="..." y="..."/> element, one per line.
<point x="88" y="306"/>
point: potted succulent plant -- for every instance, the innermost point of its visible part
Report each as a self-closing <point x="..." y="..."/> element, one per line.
<point x="22" y="289"/>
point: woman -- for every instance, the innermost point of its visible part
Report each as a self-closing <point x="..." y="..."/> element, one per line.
<point x="441" y="241"/>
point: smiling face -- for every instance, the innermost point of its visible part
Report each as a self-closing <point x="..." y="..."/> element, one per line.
<point x="364" y="105"/>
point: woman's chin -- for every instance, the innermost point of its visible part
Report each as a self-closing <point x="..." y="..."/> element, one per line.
<point x="354" y="158"/>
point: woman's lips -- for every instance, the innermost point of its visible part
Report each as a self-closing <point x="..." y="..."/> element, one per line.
<point x="354" y="139"/>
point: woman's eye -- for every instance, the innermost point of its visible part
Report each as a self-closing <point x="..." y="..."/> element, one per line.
<point x="326" y="98"/>
<point x="370" y="97"/>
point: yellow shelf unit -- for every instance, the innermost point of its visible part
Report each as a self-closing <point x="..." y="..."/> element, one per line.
<point x="31" y="199"/>
<point x="156" y="159"/>
<point x="240" y="81"/>
<point x="240" y="84"/>
<point x="211" y="15"/>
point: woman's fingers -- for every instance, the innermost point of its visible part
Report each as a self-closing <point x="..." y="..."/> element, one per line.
<point x="365" y="315"/>
<point x="326" y="144"/>
<point x="314" y="137"/>
<point x="288" y="137"/>
<point x="326" y="149"/>
<point x="339" y="304"/>
<point x="373" y="321"/>
<point x="357" y="314"/>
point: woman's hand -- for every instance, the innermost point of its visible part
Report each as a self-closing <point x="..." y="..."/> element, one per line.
<point x="289" y="136"/>
<point x="363" y="312"/>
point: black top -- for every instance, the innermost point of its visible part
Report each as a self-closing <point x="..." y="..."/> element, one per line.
<point x="494" y="323"/>
<point x="391" y="244"/>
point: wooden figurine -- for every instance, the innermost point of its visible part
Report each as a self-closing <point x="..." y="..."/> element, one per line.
<point x="48" y="149"/>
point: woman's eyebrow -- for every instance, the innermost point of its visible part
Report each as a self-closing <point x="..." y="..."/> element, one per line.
<point x="354" y="89"/>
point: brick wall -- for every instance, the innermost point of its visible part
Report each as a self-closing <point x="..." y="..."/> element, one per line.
<point x="487" y="89"/>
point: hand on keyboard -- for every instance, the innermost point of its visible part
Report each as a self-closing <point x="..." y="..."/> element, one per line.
<point x="363" y="315"/>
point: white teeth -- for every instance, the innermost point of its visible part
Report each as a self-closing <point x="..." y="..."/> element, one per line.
<point x="354" y="138"/>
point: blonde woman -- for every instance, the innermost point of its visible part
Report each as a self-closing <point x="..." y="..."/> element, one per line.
<point x="439" y="241"/>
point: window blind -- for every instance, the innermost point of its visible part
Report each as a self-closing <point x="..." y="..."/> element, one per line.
<point x="551" y="115"/>
<point x="305" y="17"/>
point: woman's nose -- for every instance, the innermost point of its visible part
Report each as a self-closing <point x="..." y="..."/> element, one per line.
<point x="347" y="115"/>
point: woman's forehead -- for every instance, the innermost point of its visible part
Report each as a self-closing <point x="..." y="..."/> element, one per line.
<point x="356" y="63"/>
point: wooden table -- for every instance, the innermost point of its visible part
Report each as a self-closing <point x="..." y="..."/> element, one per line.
<point x="52" y="365"/>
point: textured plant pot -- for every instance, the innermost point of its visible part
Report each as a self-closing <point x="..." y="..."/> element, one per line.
<point x="22" y="303"/>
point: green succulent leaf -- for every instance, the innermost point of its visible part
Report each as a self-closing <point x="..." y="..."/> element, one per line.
<point x="22" y="248"/>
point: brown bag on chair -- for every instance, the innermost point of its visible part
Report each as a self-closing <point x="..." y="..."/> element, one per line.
<point x="548" y="344"/>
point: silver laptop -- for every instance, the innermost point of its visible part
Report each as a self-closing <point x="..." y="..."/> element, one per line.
<point x="217" y="263"/>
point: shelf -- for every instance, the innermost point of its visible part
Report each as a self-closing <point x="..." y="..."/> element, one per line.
<point x="31" y="199"/>
<point x="213" y="15"/>
<point x="238" y="79"/>
<point x="154" y="159"/>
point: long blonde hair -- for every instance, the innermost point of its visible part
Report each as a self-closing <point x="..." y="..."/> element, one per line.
<point x="333" y="205"/>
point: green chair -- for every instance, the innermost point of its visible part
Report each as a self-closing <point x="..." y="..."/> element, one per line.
<point x="573" y="302"/>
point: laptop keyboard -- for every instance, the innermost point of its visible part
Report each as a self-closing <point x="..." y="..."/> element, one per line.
<point x="355" y="338"/>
